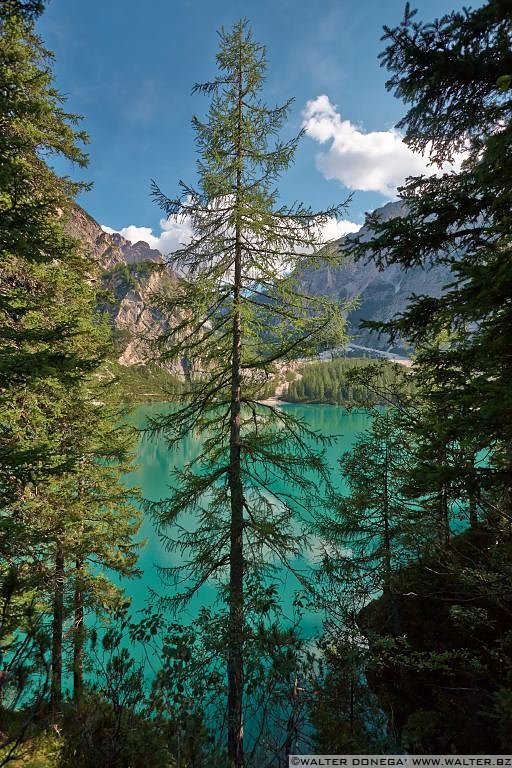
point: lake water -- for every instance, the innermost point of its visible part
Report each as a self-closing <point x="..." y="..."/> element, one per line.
<point x="153" y="477"/>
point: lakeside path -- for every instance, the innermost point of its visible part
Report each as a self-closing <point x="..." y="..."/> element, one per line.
<point x="276" y="401"/>
<point x="276" y="398"/>
<point x="383" y="354"/>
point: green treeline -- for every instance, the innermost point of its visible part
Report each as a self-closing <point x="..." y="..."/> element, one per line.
<point x="143" y="383"/>
<point x="339" y="382"/>
<point x="129" y="274"/>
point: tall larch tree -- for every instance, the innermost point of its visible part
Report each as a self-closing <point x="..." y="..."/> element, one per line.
<point x="242" y="313"/>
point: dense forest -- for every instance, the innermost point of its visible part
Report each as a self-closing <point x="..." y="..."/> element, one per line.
<point x="412" y="571"/>
<point x="346" y="380"/>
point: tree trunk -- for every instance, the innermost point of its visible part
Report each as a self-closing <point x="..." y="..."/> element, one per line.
<point x="236" y="560"/>
<point x="444" y="517"/>
<point x="473" y="512"/>
<point x="387" y="532"/>
<point x="236" y="612"/>
<point x="352" y="711"/>
<point x="472" y="493"/>
<point x="388" y="592"/>
<point x="78" y="635"/>
<point x="292" y="726"/>
<point x="236" y="609"/>
<point x="58" y="621"/>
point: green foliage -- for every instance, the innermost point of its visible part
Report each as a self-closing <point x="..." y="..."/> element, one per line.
<point x="189" y="690"/>
<point x="460" y="219"/>
<point x="239" y="311"/>
<point x="443" y="678"/>
<point x="376" y="530"/>
<point x="128" y="276"/>
<point x="115" y="723"/>
<point x="43" y="750"/>
<point x="63" y="507"/>
<point x="124" y="273"/>
<point x="334" y="381"/>
<point x="344" y="712"/>
<point x="144" y="383"/>
<point x="45" y="303"/>
<point x="440" y="671"/>
<point x="25" y="9"/>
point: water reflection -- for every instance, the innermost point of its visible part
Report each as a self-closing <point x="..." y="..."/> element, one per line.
<point x="154" y="477"/>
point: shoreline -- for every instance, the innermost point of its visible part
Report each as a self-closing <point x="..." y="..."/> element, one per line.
<point x="275" y="401"/>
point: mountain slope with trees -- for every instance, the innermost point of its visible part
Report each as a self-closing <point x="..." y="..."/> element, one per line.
<point x="130" y="276"/>
<point x="414" y="559"/>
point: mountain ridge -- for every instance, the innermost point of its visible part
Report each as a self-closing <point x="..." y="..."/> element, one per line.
<point x="133" y="273"/>
<point x="383" y="293"/>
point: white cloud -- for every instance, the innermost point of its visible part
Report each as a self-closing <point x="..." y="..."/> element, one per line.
<point x="334" y="229"/>
<point x="177" y="232"/>
<point x="377" y="161"/>
<point x="173" y="234"/>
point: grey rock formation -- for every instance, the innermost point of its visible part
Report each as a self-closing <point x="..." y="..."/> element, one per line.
<point x="382" y="293"/>
<point x="131" y="277"/>
<point x="136" y="252"/>
<point x="97" y="244"/>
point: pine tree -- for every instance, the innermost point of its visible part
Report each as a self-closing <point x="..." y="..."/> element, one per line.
<point x="25" y="9"/>
<point x="460" y="219"/>
<point x="91" y="524"/>
<point x="43" y="302"/>
<point x="44" y="297"/>
<point x="377" y="529"/>
<point x="454" y="75"/>
<point x="241" y="312"/>
<point x="61" y="453"/>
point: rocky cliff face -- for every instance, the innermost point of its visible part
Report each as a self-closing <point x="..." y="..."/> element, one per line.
<point x="130" y="278"/>
<point x="108" y="250"/>
<point x="97" y="244"/>
<point x="382" y="293"/>
<point x="136" y="252"/>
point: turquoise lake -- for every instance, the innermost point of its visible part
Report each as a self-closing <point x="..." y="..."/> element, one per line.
<point x="153" y="477"/>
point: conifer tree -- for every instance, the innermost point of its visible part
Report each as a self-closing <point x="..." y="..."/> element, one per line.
<point x="455" y="76"/>
<point x="61" y="453"/>
<point x="91" y="521"/>
<point x="44" y="298"/>
<point x="241" y="313"/>
<point x="43" y="304"/>
<point x="25" y="9"/>
<point x="377" y="529"/>
<point x="460" y="219"/>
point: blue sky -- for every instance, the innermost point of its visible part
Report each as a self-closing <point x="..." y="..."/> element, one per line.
<point x="128" y="67"/>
